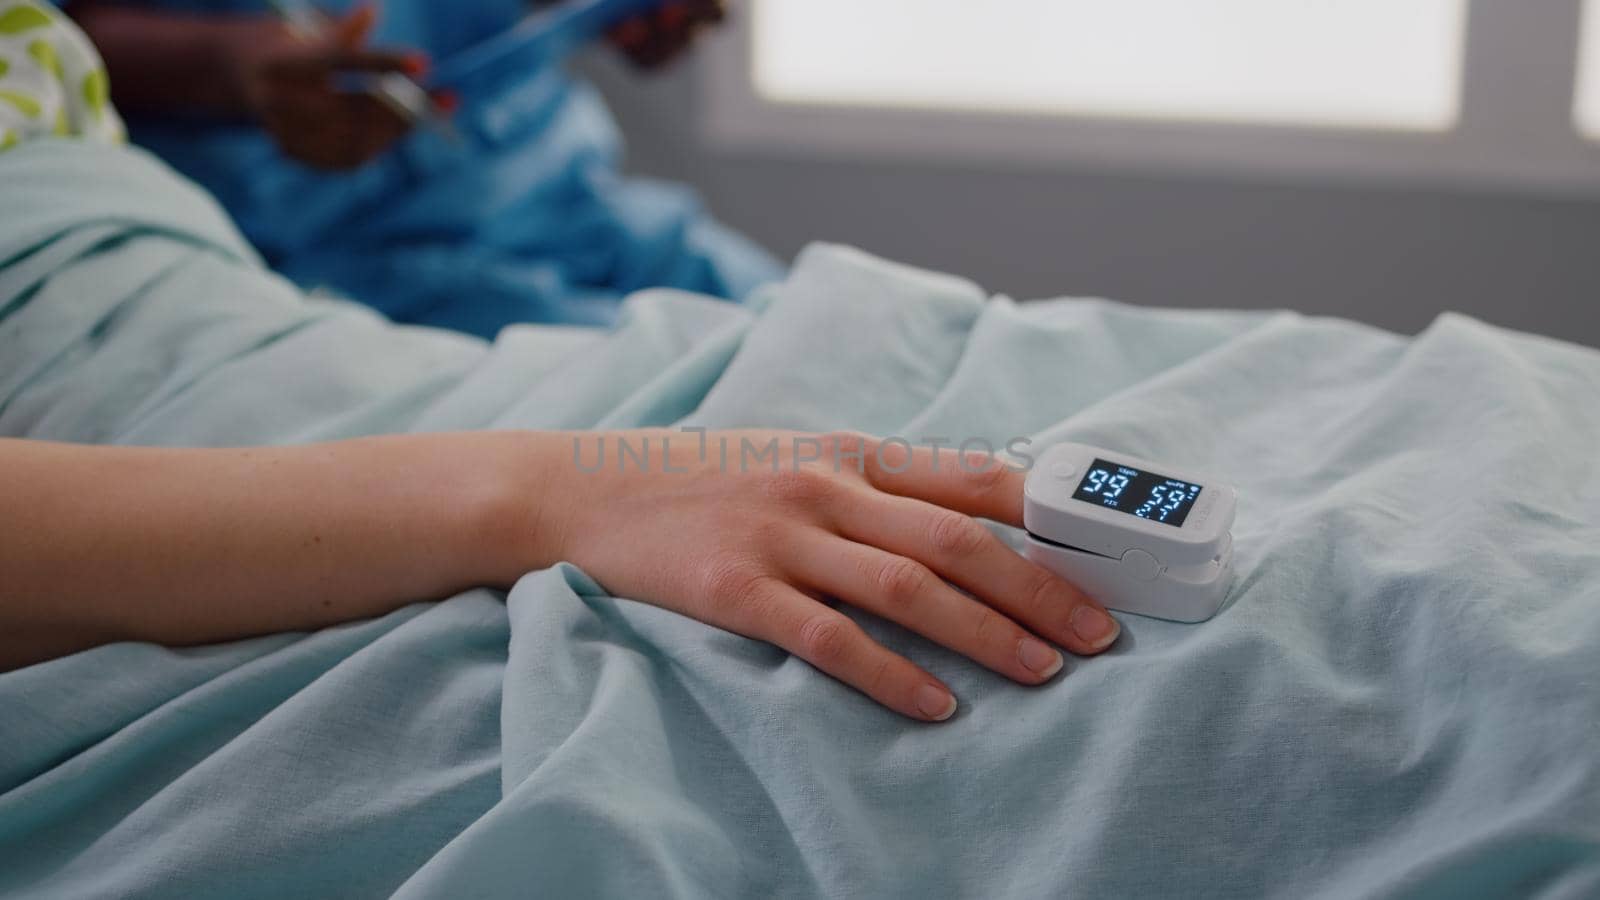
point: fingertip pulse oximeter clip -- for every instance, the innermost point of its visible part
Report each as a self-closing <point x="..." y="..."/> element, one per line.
<point x="1137" y="541"/>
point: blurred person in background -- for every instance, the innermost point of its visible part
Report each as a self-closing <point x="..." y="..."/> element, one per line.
<point x="518" y="215"/>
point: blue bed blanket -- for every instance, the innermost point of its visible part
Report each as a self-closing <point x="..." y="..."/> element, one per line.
<point x="1401" y="699"/>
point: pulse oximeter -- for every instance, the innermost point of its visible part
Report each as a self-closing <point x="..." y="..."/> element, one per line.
<point x="1137" y="536"/>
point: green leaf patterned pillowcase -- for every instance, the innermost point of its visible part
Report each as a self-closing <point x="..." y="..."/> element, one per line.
<point x="52" y="81"/>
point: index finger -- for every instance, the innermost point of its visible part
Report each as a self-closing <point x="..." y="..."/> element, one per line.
<point x="974" y="482"/>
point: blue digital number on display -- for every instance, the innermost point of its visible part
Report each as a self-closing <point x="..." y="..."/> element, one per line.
<point x="1146" y="495"/>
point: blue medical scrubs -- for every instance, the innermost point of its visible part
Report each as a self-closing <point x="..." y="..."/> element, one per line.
<point x="525" y="218"/>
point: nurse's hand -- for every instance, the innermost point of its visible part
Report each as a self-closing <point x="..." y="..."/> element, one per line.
<point x="291" y="85"/>
<point x="755" y="546"/>
<point x="654" y="39"/>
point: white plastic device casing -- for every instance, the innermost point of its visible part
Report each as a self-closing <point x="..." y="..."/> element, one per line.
<point x="1128" y="563"/>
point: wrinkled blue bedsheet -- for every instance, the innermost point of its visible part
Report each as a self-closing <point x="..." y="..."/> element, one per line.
<point x="1402" y="698"/>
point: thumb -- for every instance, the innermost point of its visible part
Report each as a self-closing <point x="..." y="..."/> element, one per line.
<point x="353" y="29"/>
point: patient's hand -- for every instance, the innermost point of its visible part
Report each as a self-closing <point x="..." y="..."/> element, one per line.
<point x="754" y="546"/>
<point x="179" y="546"/>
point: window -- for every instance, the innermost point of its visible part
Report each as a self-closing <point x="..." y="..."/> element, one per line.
<point x="1476" y="92"/>
<point x="1586" y="112"/>
<point x="1332" y="63"/>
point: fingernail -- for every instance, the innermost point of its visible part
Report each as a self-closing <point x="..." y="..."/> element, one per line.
<point x="935" y="702"/>
<point x="447" y="101"/>
<point x="416" y="65"/>
<point x="1095" y="627"/>
<point x="1040" y="658"/>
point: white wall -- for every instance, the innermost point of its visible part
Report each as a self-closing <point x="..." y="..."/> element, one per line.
<point x="1387" y="255"/>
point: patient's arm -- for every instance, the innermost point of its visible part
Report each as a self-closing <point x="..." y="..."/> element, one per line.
<point x="194" y="546"/>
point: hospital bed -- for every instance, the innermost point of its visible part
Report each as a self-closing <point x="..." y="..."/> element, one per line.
<point x="1401" y="697"/>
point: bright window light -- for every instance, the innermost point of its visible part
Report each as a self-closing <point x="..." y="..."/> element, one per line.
<point x="1368" y="64"/>
<point x="1586" y="112"/>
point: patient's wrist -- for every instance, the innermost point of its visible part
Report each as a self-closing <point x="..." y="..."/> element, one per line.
<point x="517" y="508"/>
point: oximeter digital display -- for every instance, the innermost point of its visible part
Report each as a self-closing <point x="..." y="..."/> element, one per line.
<point x="1139" y="537"/>
<point x="1143" y="494"/>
